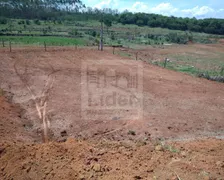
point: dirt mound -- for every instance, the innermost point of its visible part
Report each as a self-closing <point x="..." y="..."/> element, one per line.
<point x="13" y="127"/>
<point x="112" y="160"/>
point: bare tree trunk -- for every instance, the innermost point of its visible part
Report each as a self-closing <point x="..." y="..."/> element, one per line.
<point x="101" y="35"/>
<point x="45" y="125"/>
<point x="41" y="102"/>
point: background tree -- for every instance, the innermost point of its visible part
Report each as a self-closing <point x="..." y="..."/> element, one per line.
<point x="108" y="24"/>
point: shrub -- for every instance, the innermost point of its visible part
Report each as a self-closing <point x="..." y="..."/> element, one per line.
<point x="37" y="22"/>
<point x="27" y="22"/>
<point x="222" y="71"/>
<point x="177" y="38"/>
<point x="3" y="20"/>
<point x="73" y="32"/>
<point x="94" y="33"/>
<point x="212" y="78"/>
<point x="21" y="22"/>
<point x="112" y="36"/>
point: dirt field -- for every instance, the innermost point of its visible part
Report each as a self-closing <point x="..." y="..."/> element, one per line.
<point x="116" y="143"/>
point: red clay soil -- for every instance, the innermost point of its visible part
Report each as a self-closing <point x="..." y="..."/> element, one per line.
<point x="13" y="128"/>
<point x="73" y="159"/>
<point x="176" y="106"/>
<point x="104" y="159"/>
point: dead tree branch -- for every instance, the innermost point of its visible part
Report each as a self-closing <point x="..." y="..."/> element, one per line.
<point x="42" y="101"/>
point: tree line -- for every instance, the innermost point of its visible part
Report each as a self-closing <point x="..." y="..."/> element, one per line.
<point x="210" y="25"/>
<point x="61" y="10"/>
<point x="39" y="9"/>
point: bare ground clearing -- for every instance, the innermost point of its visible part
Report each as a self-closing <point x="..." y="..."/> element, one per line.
<point x="175" y="106"/>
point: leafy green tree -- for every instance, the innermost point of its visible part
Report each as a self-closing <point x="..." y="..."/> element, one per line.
<point x="108" y="23"/>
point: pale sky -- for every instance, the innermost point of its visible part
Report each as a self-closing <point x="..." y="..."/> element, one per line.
<point x="186" y="8"/>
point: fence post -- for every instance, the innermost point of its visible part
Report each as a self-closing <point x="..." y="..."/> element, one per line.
<point x="45" y="46"/>
<point x="113" y="50"/>
<point x="3" y="43"/>
<point x="165" y="62"/>
<point x="10" y="46"/>
<point x="136" y="56"/>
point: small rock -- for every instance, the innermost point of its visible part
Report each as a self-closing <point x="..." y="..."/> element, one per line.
<point x="150" y="170"/>
<point x="64" y="133"/>
<point x="159" y="148"/>
<point x="82" y="177"/>
<point x="137" y="177"/>
<point x="87" y="162"/>
<point x="28" y="169"/>
<point x="206" y="178"/>
<point x="91" y="175"/>
<point x="62" y="139"/>
<point x="174" y="178"/>
<point x="183" y="154"/>
<point x="70" y="140"/>
<point x="2" y="150"/>
<point x="96" y="167"/>
<point x="100" y="153"/>
<point x="219" y="163"/>
<point x="107" y="168"/>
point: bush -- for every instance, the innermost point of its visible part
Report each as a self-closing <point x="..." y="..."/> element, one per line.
<point x="222" y="71"/>
<point x="177" y="38"/>
<point x="37" y="22"/>
<point x="3" y="20"/>
<point x="212" y="78"/>
<point x="73" y="32"/>
<point x="21" y="22"/>
<point x="94" y="33"/>
<point x="28" y="22"/>
<point x="112" y="36"/>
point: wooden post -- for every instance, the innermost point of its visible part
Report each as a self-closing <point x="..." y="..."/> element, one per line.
<point x="165" y="62"/>
<point x="76" y="46"/>
<point x="10" y="46"/>
<point x="113" y="50"/>
<point x="136" y="56"/>
<point x="45" y="46"/>
<point x="101" y="33"/>
<point x="3" y="43"/>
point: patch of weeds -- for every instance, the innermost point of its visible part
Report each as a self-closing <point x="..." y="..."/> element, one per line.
<point x="167" y="146"/>
<point x="171" y="149"/>
<point x="131" y="132"/>
<point x="203" y="173"/>
<point x="206" y="75"/>
<point x="222" y="71"/>
<point x="1" y="92"/>
<point x="141" y="143"/>
<point x="124" y="54"/>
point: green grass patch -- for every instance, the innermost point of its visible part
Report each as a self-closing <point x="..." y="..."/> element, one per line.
<point x="124" y="54"/>
<point x="39" y="40"/>
<point x="191" y="69"/>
